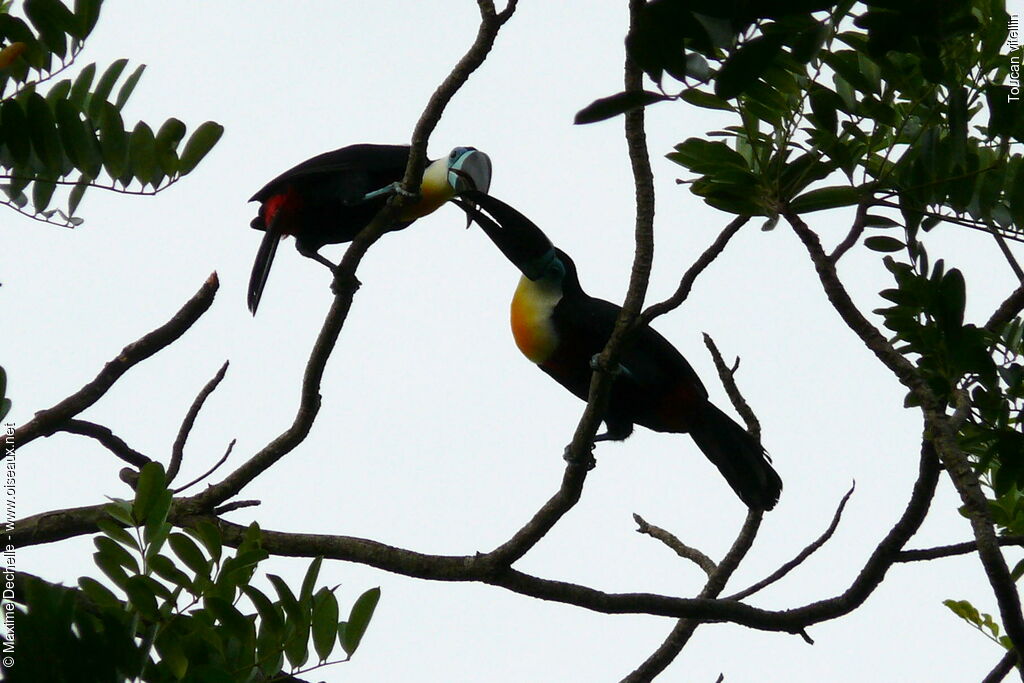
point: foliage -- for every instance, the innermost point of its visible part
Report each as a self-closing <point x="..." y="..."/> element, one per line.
<point x="73" y="135"/>
<point x="904" y="110"/>
<point x="178" y="616"/>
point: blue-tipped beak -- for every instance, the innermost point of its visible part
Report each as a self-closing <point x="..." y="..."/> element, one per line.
<point x="469" y="169"/>
<point x="518" y="238"/>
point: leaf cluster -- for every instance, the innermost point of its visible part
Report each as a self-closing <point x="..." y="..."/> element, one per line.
<point x="180" y="615"/>
<point x="73" y="134"/>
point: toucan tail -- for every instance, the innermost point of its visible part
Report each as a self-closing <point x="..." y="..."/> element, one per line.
<point x="261" y="268"/>
<point x="741" y="460"/>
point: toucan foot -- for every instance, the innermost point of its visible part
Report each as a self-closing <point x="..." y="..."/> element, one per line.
<point x="386" y="191"/>
<point x="587" y="460"/>
<point x="595" y="364"/>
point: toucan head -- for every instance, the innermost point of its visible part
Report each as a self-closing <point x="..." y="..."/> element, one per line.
<point x="469" y="169"/>
<point x="518" y="238"/>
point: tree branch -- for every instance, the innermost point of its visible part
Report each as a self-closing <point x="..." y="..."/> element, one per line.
<point x="690" y="276"/>
<point x="940" y="552"/>
<point x="178" y="449"/>
<point x="1007" y="311"/>
<point x="110" y="441"/>
<point x="729" y="382"/>
<point x="801" y="556"/>
<point x="681" y="549"/>
<point x="1002" y="669"/>
<point x="685" y="628"/>
<point x="51" y="420"/>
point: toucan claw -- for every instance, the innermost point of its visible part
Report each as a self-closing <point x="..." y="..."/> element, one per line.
<point x="587" y="461"/>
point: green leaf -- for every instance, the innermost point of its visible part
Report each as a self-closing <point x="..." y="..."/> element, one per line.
<point x="156" y="525"/>
<point x="269" y="613"/>
<point x="43" y="130"/>
<point x="1015" y="197"/>
<point x="140" y="594"/>
<point x="152" y="481"/>
<point x="15" y="128"/>
<point x="189" y="552"/>
<point x="233" y="621"/>
<point x="826" y="198"/>
<point x="287" y="599"/>
<point x="209" y="535"/>
<point x="167" y="138"/>
<point x="79" y="144"/>
<point x="620" y="103"/>
<point x="142" y="152"/>
<point x="46" y="17"/>
<point x="745" y="66"/>
<point x="118" y="533"/>
<point x="873" y="221"/>
<point x="99" y="593"/>
<point x="884" y="244"/>
<point x="109" y="566"/>
<point x="309" y="581"/>
<point x="706" y="100"/>
<point x="359" y="619"/>
<point x="113" y="140"/>
<point x="165" y="568"/>
<point x="104" y="86"/>
<point x="129" y="85"/>
<point x="121" y="511"/>
<point x="42" y="192"/>
<point x="325" y="622"/>
<point x="80" y="90"/>
<point x="115" y="552"/>
<point x="77" y="192"/>
<point x="199" y="144"/>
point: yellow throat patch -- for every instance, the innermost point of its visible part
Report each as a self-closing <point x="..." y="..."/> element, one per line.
<point x="532" y="308"/>
<point x="434" y="191"/>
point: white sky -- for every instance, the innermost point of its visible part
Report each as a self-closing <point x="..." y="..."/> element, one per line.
<point x="435" y="434"/>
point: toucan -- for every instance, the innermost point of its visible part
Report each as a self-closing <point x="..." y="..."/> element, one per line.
<point x="562" y="329"/>
<point x="328" y="199"/>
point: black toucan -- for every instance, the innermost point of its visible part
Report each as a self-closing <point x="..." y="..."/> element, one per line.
<point x="561" y="329"/>
<point x="328" y="199"/>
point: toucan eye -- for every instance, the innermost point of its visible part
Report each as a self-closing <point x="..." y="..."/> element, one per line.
<point x="454" y="155"/>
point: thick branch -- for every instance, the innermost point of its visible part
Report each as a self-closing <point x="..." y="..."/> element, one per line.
<point x="1007" y="311"/>
<point x="851" y="315"/>
<point x="110" y="441"/>
<point x="49" y="421"/>
<point x="1002" y="669"/>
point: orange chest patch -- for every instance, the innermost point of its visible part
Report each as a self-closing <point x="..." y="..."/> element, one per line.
<point x="531" y="317"/>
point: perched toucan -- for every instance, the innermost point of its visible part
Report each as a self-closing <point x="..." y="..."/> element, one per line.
<point x="562" y="329"/>
<point x="328" y="199"/>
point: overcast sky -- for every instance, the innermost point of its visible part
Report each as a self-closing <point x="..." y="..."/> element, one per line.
<point x="435" y="433"/>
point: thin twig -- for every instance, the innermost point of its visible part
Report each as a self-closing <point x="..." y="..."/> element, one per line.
<point x="110" y="441"/>
<point x="967" y="547"/>
<point x="729" y="382"/>
<point x="680" y="548"/>
<point x="685" y="628"/>
<point x="50" y="420"/>
<point x="800" y="557"/>
<point x="236" y="505"/>
<point x="856" y="229"/>
<point x="1005" y="248"/>
<point x="178" y="449"/>
<point x="210" y="471"/>
<point x="690" y="276"/>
